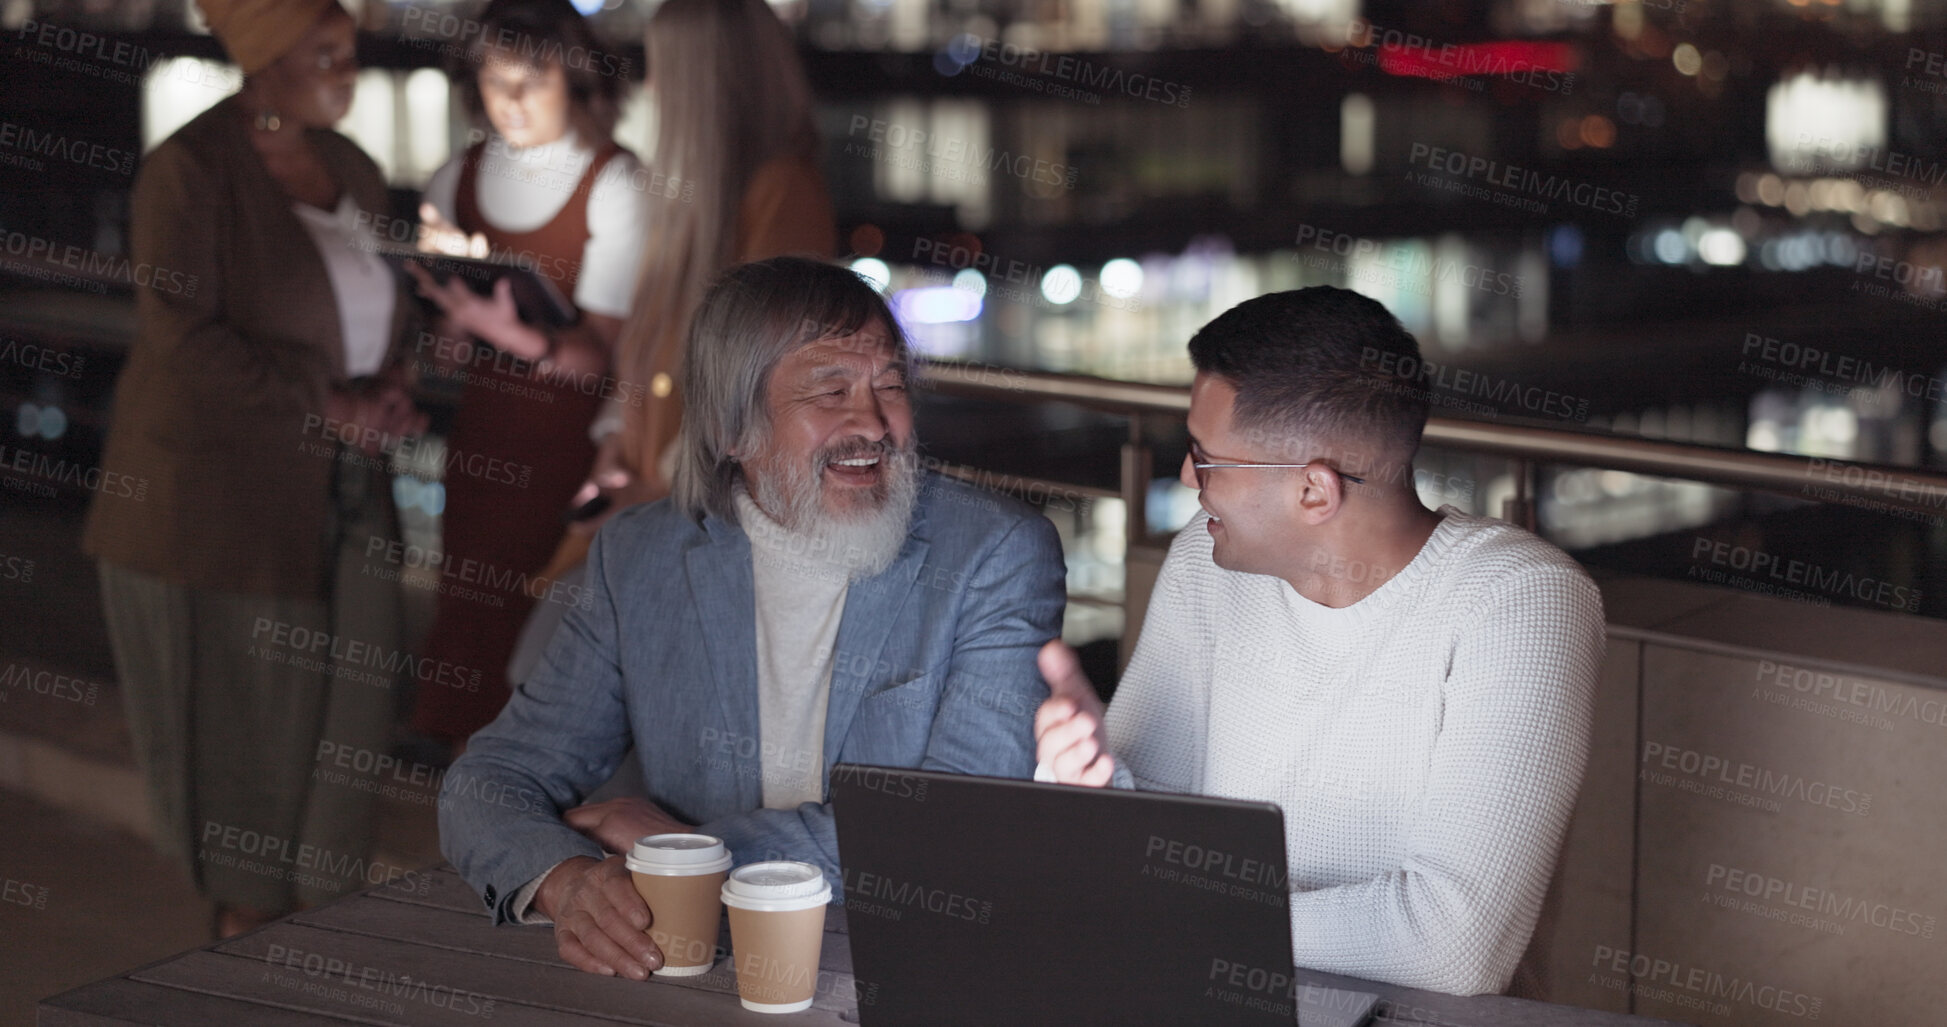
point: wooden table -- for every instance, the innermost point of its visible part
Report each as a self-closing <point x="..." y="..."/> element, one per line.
<point x="422" y="951"/>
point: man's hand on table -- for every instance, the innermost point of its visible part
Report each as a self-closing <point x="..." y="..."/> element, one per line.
<point x="1068" y="734"/>
<point x="600" y="920"/>
<point x="600" y="923"/>
<point x="617" y="823"/>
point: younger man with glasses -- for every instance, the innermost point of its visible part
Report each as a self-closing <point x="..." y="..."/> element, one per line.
<point x="1412" y="687"/>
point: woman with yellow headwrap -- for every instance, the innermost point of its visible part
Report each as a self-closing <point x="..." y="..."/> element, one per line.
<point x="254" y="642"/>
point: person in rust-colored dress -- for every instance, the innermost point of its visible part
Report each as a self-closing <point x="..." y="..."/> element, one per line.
<point x="547" y="189"/>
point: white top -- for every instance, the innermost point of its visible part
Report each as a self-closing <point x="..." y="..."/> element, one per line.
<point x="521" y="190"/>
<point x="1426" y="743"/>
<point x="360" y="282"/>
<point x="800" y="601"/>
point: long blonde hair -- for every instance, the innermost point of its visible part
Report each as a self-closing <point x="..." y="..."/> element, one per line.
<point x="730" y="95"/>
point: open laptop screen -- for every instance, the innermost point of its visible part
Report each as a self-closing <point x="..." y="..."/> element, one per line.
<point x="976" y="900"/>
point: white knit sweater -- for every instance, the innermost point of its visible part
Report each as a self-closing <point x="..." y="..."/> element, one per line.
<point x="1425" y="743"/>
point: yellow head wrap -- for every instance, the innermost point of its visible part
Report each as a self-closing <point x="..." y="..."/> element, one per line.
<point x="257" y="32"/>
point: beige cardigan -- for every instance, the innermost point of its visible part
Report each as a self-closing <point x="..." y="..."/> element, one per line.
<point x="219" y="407"/>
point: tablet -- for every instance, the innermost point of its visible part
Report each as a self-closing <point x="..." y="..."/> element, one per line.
<point x="537" y="299"/>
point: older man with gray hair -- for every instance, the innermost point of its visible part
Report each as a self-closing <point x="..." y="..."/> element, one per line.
<point x="806" y="595"/>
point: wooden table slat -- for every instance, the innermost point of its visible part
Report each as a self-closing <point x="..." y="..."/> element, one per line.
<point x="443" y="928"/>
<point x="548" y="985"/>
<point x="119" y="1000"/>
<point x="440" y="887"/>
<point x="382" y="999"/>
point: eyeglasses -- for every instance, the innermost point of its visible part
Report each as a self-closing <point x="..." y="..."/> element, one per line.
<point x="1200" y="462"/>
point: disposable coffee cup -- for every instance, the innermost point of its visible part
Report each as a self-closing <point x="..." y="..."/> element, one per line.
<point x="777" y="929"/>
<point x="681" y="877"/>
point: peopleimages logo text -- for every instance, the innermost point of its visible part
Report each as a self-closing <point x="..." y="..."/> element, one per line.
<point x="41" y="358"/>
<point x="98" y="265"/>
<point x="45" y="467"/>
<point x="1524" y="182"/>
<point x="474" y="37"/>
<point x="1433" y="379"/>
<point x="1407" y="264"/>
<point x="1842" y="154"/>
<point x="1823" y="901"/>
<point x="369" y="986"/>
<point x="955" y="151"/>
<point x="1817" y="684"/>
<point x="1454" y="62"/>
<point x="1213" y="861"/>
<point x="286" y="637"/>
<point x="410" y="450"/>
<point x="45" y="682"/>
<point x="1069" y="68"/>
<point x="1797" y="572"/>
<point x="879" y="895"/>
<point x="63" y="148"/>
<point x="16" y="568"/>
<point x="221" y="843"/>
<point x="1706" y="983"/>
<point x="1709" y="768"/>
<point x="468" y="571"/>
<point x="1840" y="368"/>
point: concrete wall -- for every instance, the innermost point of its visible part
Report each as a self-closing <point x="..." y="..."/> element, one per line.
<point x="1762" y="835"/>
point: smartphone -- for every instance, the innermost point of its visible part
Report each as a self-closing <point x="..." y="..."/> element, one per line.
<point x="592" y="508"/>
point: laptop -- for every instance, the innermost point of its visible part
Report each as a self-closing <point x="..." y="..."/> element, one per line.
<point x="981" y="900"/>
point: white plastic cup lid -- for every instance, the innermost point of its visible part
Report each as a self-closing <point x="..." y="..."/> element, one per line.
<point x="777" y="885"/>
<point x="683" y="854"/>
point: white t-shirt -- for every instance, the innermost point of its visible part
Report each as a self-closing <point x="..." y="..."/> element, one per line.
<point x="521" y="190"/>
<point x="361" y="282"/>
<point x="1425" y="743"/>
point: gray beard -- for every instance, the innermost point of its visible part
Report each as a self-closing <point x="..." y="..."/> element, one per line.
<point x="861" y="545"/>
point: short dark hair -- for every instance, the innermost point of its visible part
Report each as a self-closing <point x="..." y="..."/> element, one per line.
<point x="1315" y="365"/>
<point x="544" y="32"/>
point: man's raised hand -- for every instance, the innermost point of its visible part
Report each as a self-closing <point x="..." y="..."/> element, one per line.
<point x="1068" y="734"/>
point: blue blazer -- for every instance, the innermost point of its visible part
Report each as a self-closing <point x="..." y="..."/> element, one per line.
<point x="934" y="668"/>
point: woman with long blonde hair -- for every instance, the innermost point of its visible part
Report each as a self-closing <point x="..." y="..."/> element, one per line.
<point x="737" y="156"/>
<point x="734" y="120"/>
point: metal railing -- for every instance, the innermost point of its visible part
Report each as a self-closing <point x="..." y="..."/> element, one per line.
<point x="1808" y="478"/>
